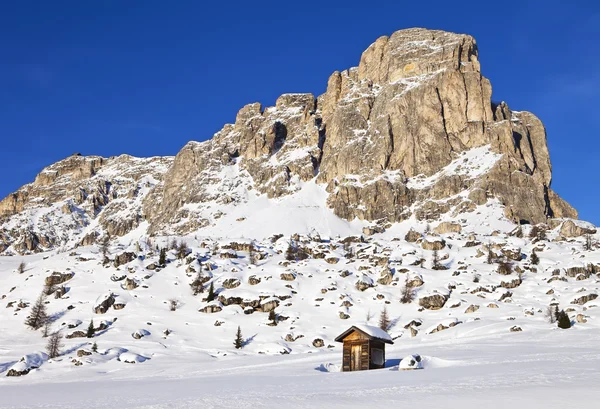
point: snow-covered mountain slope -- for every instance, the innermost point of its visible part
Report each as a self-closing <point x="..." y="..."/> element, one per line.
<point x="317" y="284"/>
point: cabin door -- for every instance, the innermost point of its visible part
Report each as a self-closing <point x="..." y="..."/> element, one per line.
<point x="355" y="358"/>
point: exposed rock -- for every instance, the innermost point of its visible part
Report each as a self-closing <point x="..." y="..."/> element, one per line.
<point x="231" y="283"/>
<point x="83" y="352"/>
<point x="253" y="280"/>
<point x="318" y="343"/>
<point x="433" y="302"/>
<point x="516" y="328"/>
<point x="343" y="315"/>
<point x="472" y="308"/>
<point x="584" y="299"/>
<point x="124" y="258"/>
<point x="103" y="303"/>
<point x="58" y="278"/>
<point x="76" y="334"/>
<point x="364" y="283"/>
<point x="433" y="243"/>
<point x="130" y="284"/>
<point x="412" y="236"/>
<point x="448" y="227"/>
<point x="577" y="228"/>
<point x="581" y="319"/>
<point x="288" y="276"/>
<point x="212" y="308"/>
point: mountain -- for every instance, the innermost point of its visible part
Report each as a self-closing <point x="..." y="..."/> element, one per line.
<point x="403" y="187"/>
<point x="411" y="132"/>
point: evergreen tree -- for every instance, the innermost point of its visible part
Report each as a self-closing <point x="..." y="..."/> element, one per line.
<point x="182" y="250"/>
<point x="54" y="345"/>
<point x="198" y="284"/>
<point x="211" y="293"/>
<point x="384" y="319"/>
<point x="162" y="258"/>
<point x="38" y="316"/>
<point x="490" y="255"/>
<point x="535" y="260"/>
<point x="239" y="340"/>
<point x="589" y="243"/>
<point x="408" y="294"/>
<point x="94" y="347"/>
<point x="435" y="262"/>
<point x="290" y="253"/>
<point x="563" y="320"/>
<point x="91" y="330"/>
<point x="273" y="317"/>
<point x="104" y="249"/>
<point x="556" y="313"/>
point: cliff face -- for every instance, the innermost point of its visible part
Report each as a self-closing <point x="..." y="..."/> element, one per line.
<point x="409" y="132"/>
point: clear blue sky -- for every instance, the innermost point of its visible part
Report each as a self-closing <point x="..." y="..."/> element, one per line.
<point x="145" y="77"/>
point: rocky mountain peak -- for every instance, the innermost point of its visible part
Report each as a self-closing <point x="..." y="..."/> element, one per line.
<point x="410" y="132"/>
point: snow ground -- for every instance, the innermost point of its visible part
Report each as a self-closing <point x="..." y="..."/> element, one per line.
<point x="558" y="369"/>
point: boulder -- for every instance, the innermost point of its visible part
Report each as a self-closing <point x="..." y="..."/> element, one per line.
<point x="448" y="227"/>
<point x="571" y="228"/>
<point x="124" y="258"/>
<point x="433" y="302"/>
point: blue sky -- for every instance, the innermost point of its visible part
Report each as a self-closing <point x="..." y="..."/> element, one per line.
<point x="145" y="77"/>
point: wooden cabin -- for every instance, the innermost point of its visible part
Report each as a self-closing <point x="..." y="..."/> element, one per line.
<point x="364" y="347"/>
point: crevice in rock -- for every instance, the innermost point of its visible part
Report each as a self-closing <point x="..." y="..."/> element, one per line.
<point x="547" y="208"/>
<point x="391" y="146"/>
<point x="437" y="91"/>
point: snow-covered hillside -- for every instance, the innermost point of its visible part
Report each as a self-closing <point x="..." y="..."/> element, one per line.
<point x="317" y="284"/>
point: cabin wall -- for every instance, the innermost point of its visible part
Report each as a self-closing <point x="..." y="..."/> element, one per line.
<point x="364" y="355"/>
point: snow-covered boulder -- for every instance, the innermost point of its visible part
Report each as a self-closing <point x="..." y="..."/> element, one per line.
<point x="103" y="303"/>
<point x="132" y="358"/>
<point x="411" y="362"/>
<point x="27" y="363"/>
<point x="364" y="282"/>
<point x="140" y="333"/>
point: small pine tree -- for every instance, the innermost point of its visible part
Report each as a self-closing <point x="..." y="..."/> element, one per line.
<point x="556" y="313"/>
<point x="239" y="340"/>
<point x="182" y="250"/>
<point x="104" y="248"/>
<point x="54" y="345"/>
<point x="290" y="253"/>
<point x="38" y="316"/>
<point x="490" y="256"/>
<point x="589" y="243"/>
<point x="211" y="293"/>
<point x="21" y="268"/>
<point x="563" y="320"/>
<point x="198" y="284"/>
<point x="535" y="260"/>
<point x="94" y="347"/>
<point x="173" y="244"/>
<point x="162" y="258"/>
<point x="47" y="326"/>
<point x="435" y="261"/>
<point x="384" y="319"/>
<point x="91" y="330"/>
<point x="273" y="317"/>
<point x="408" y="294"/>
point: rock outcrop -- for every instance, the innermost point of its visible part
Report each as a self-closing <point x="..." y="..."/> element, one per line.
<point x="411" y="131"/>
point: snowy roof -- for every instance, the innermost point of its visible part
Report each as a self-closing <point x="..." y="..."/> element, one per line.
<point x="369" y="330"/>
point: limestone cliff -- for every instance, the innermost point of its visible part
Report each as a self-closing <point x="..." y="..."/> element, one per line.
<point x="411" y="131"/>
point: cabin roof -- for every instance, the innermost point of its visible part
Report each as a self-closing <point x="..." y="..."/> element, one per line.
<point x="368" y="330"/>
